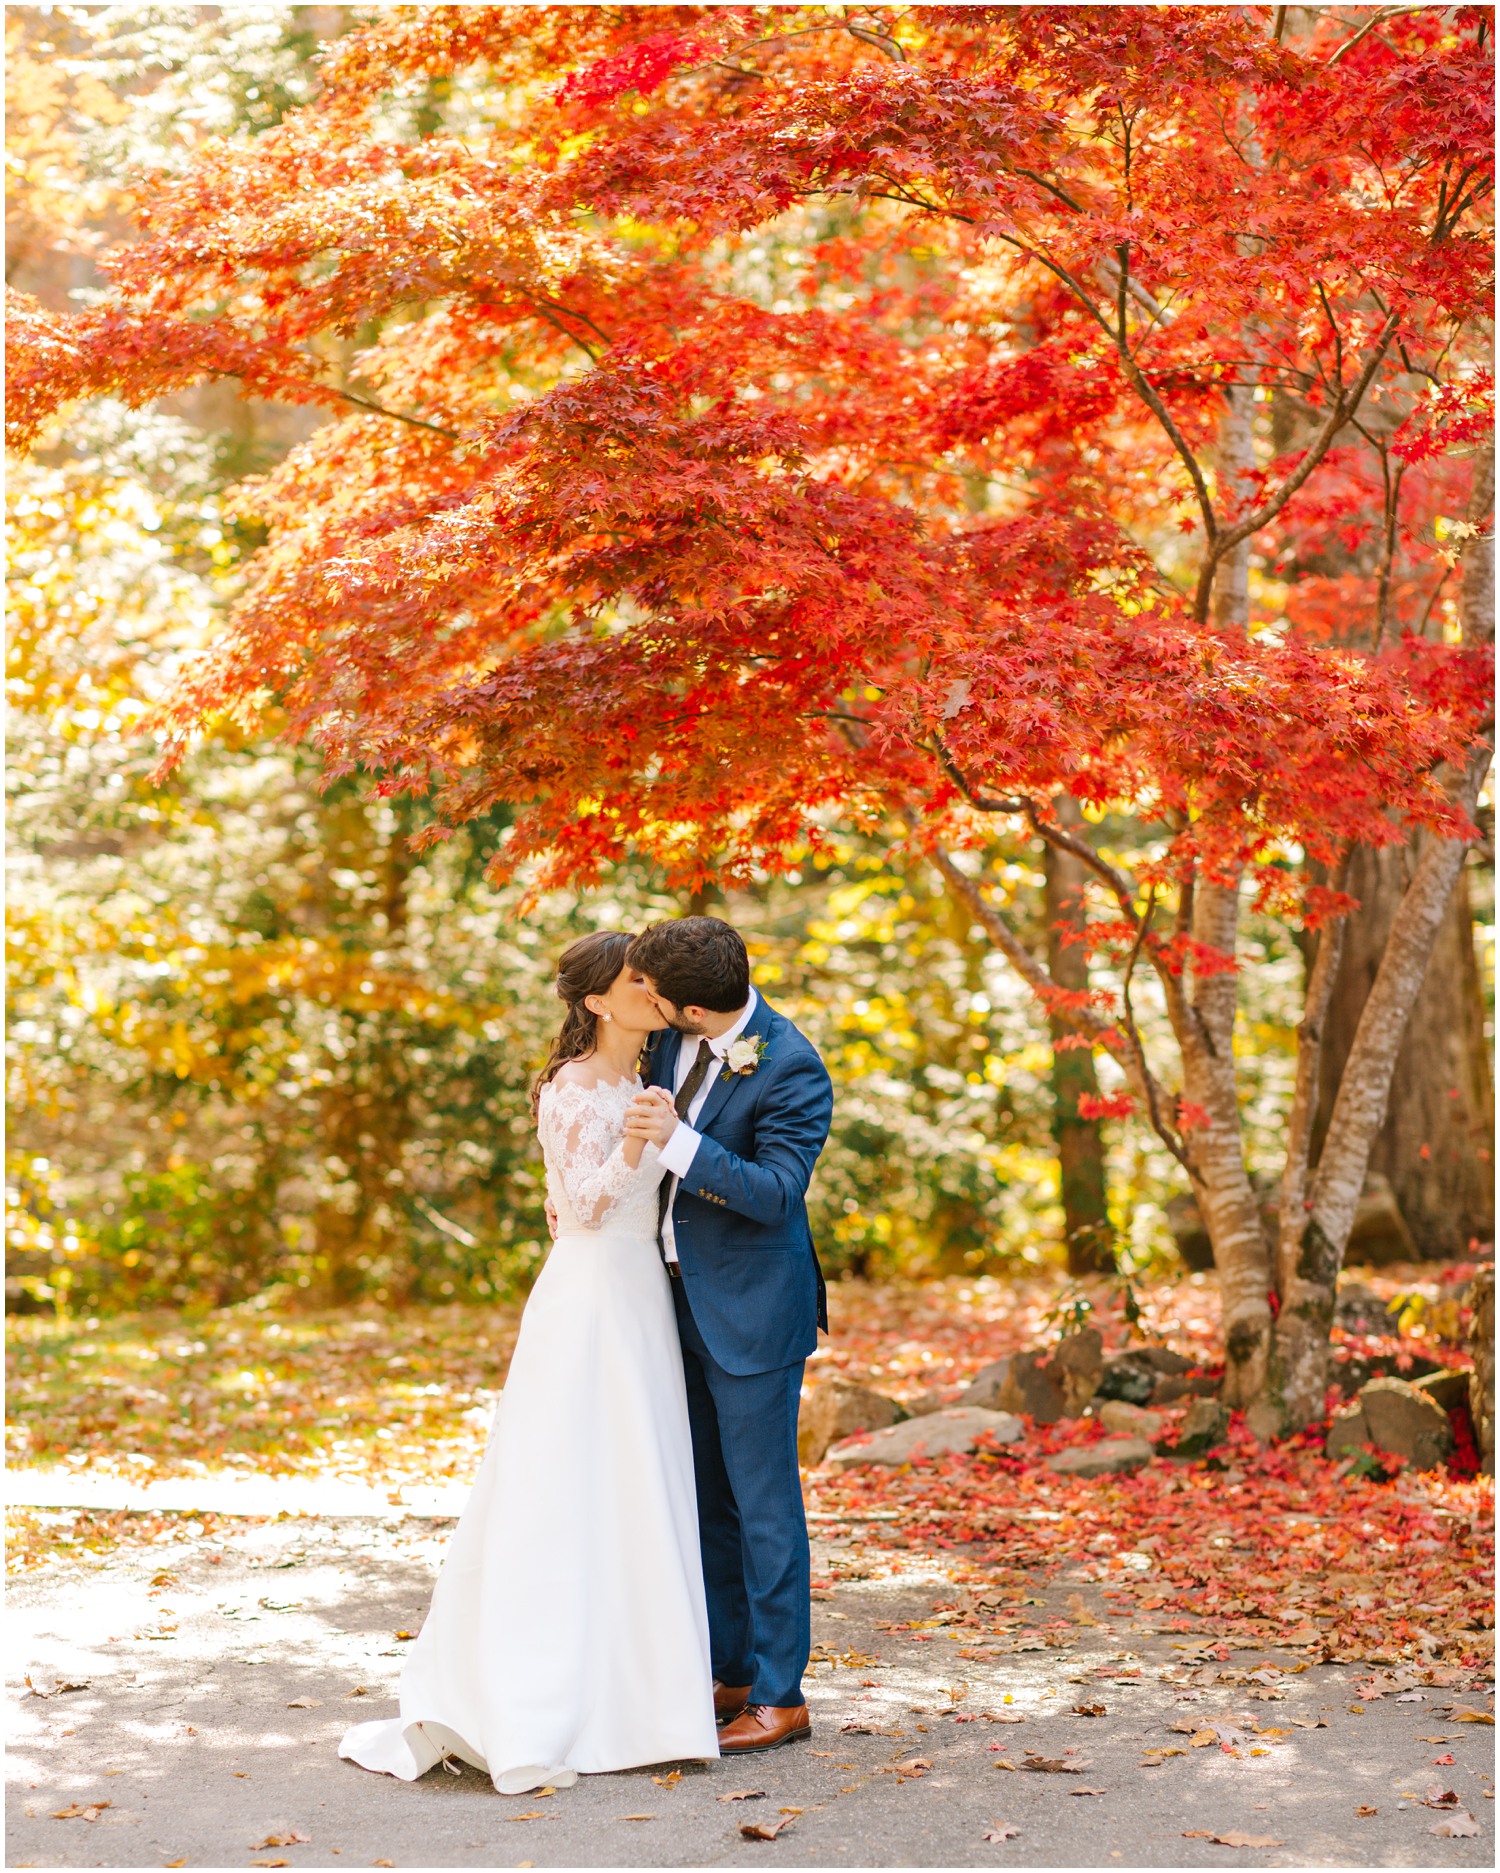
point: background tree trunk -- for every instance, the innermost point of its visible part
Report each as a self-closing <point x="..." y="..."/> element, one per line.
<point x="1442" y="1095"/>
<point x="1080" y="1141"/>
<point x="1435" y="1144"/>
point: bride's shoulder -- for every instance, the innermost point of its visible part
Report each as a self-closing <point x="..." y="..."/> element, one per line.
<point x="573" y="1076"/>
<point x="576" y="1073"/>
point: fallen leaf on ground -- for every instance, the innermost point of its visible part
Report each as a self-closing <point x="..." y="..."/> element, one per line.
<point x="382" y="1863"/>
<point x="1458" y="1826"/>
<point x="1439" y="1797"/>
<point x="81" y="1684"/>
<point x="1088" y="1791"/>
<point x="1363" y="1809"/>
<point x="1232" y="1840"/>
<point x="80" y="1811"/>
<point x="304" y="1703"/>
<point x="280" y="1840"/>
<point x="1001" y="1830"/>
<point x="1460" y="1713"/>
<point x="1202" y="1738"/>
<point x="271" y="1863"/>
<point x="764" y="1830"/>
<point x="637" y="1817"/>
<point x="540" y="1814"/>
<point x="358" y="1691"/>
<point x="403" y="1634"/>
<point x="1090" y="1710"/>
<point x="1051" y="1765"/>
<point x="1443" y="1762"/>
<point x="742" y="1794"/>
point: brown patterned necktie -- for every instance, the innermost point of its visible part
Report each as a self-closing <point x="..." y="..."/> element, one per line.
<point x="686" y="1094"/>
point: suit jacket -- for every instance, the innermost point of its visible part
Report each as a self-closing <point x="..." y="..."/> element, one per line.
<point x="752" y="1276"/>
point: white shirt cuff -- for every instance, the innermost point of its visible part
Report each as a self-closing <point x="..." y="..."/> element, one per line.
<point x="681" y="1148"/>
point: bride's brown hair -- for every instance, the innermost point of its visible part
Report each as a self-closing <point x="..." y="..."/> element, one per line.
<point x="587" y="967"/>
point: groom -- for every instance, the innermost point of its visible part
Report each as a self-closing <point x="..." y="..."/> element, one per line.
<point x="740" y="1104"/>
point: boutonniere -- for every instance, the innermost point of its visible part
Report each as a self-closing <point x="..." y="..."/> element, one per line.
<point x="744" y="1055"/>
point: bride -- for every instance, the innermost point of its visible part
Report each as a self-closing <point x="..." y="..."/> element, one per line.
<point x="568" y="1631"/>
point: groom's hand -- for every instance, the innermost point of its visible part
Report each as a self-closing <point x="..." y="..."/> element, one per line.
<point x="652" y="1116"/>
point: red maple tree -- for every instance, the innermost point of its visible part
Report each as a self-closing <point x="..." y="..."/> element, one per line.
<point x="768" y="420"/>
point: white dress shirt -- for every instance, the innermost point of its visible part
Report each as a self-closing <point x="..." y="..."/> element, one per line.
<point x="681" y="1148"/>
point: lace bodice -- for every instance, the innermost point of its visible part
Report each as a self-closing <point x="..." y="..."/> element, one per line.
<point x="582" y="1133"/>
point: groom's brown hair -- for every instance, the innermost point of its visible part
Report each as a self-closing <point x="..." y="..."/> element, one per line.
<point x="694" y="962"/>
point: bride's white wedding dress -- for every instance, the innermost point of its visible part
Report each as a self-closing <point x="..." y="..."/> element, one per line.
<point x="568" y="1631"/>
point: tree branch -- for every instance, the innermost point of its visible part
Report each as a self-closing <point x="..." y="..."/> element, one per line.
<point x="1377" y="18"/>
<point x="1345" y="403"/>
<point x="1129" y="1055"/>
<point x="397" y="416"/>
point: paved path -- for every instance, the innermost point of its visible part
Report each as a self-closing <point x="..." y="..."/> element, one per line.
<point x="186" y="1729"/>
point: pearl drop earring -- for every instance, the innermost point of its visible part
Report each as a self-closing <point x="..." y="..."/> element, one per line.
<point x="605" y="1015"/>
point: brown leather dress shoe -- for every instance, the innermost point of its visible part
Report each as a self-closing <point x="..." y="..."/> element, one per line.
<point x="763" y="1726"/>
<point x="729" y="1701"/>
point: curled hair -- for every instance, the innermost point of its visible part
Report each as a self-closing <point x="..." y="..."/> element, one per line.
<point x="587" y="967"/>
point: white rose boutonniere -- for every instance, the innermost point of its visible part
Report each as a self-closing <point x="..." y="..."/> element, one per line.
<point x="744" y="1054"/>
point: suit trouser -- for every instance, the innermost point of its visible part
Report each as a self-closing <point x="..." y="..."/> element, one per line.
<point x="752" y="1529"/>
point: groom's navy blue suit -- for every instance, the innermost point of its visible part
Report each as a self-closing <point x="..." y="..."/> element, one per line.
<point x="749" y="1305"/>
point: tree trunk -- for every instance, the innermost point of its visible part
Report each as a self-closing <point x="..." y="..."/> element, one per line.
<point x="1080" y="1141"/>
<point x="1435" y="1143"/>
<point x="1311" y="1246"/>
<point x="1442" y="1093"/>
<point x="1226" y="1197"/>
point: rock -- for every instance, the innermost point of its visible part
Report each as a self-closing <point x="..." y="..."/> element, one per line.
<point x="1379" y="1233"/>
<point x="1129" y="1420"/>
<point x="1205" y="1424"/>
<point x="1128" y="1376"/>
<point x="1359" y="1309"/>
<point x="1347" y="1431"/>
<point x="1353" y="1371"/>
<point x="833" y="1409"/>
<point x="1168" y="1390"/>
<point x="1080" y="1359"/>
<point x="1185" y="1220"/>
<point x="926" y="1403"/>
<point x="1449" y="1387"/>
<point x="1407" y="1422"/>
<point x="1033" y="1385"/>
<point x="1163" y="1359"/>
<point x="935" y="1435"/>
<point x="1109" y="1455"/>
<point x="1481" y="1298"/>
<point x="1045" y="1386"/>
<point x="984" y="1389"/>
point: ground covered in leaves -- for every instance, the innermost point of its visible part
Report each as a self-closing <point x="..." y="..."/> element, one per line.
<point x="1255" y="1545"/>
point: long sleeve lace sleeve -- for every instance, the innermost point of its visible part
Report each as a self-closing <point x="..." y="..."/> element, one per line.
<point x="584" y="1149"/>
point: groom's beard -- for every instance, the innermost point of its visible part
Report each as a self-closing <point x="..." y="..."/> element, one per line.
<point x="682" y="1024"/>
